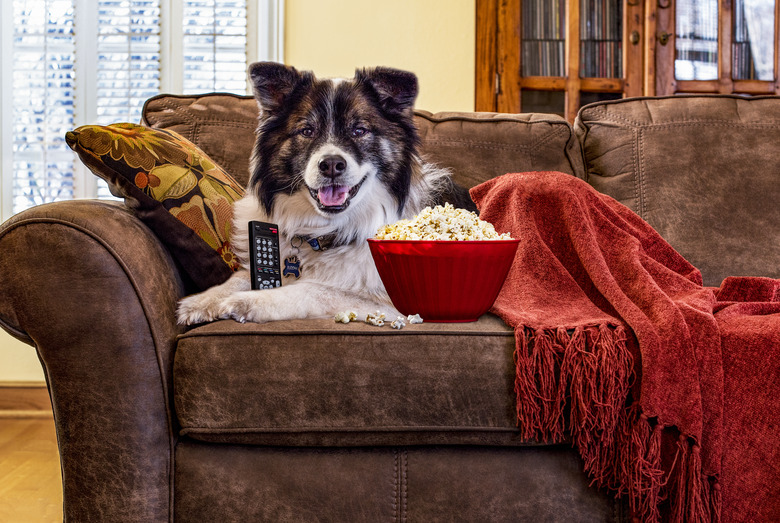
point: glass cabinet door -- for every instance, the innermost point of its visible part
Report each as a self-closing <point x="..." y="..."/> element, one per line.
<point x="543" y="56"/>
<point x="570" y="52"/>
<point x="718" y="47"/>
<point x="601" y="38"/>
<point x="696" y="40"/>
<point x="753" y="48"/>
<point x="543" y="38"/>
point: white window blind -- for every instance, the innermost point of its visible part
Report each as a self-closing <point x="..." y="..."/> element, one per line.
<point x="128" y="65"/>
<point x="42" y="101"/>
<point x="215" y="36"/>
<point x="128" y="62"/>
<point x="67" y="63"/>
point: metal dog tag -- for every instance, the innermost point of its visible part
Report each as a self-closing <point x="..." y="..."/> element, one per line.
<point x="292" y="267"/>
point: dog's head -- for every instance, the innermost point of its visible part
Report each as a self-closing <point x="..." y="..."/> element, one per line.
<point x="328" y="141"/>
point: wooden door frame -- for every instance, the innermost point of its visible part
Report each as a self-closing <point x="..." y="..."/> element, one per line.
<point x="486" y="53"/>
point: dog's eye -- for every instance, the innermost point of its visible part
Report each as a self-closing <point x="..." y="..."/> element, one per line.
<point x="357" y="132"/>
<point x="307" y="132"/>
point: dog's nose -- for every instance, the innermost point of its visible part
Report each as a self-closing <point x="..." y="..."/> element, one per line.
<point x="332" y="166"/>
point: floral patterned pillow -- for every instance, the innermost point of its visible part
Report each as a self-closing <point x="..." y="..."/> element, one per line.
<point x="173" y="187"/>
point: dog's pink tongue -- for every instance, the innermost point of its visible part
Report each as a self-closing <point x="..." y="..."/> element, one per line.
<point x="333" y="195"/>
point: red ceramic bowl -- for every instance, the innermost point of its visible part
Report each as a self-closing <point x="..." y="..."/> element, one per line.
<point x="443" y="281"/>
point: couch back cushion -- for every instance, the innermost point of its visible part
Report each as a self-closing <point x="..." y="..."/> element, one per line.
<point x="704" y="171"/>
<point x="481" y="146"/>
<point x="476" y="146"/>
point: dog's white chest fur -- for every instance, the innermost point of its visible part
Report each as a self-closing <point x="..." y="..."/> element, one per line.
<point x="347" y="267"/>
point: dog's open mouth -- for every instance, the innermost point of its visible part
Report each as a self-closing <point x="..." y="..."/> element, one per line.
<point x="335" y="198"/>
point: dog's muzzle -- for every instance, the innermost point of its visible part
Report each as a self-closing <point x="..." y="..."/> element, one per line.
<point x="333" y="197"/>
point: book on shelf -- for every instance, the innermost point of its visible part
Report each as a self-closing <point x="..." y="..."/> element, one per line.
<point x="544" y="34"/>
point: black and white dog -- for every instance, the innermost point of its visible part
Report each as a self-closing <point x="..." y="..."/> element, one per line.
<point x="334" y="161"/>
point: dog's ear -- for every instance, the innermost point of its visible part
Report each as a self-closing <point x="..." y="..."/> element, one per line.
<point x="272" y="83"/>
<point x="397" y="90"/>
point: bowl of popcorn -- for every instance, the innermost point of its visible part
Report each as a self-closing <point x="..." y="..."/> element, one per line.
<point x="445" y="264"/>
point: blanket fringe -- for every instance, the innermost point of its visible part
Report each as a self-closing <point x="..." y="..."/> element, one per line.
<point x="697" y="497"/>
<point x="576" y="382"/>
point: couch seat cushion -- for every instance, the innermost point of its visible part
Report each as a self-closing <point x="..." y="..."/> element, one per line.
<point x="315" y="382"/>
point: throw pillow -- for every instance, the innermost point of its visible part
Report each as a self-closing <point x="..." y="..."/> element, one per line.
<point x="173" y="187"/>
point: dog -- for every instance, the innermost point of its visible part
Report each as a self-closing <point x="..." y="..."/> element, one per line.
<point x="334" y="160"/>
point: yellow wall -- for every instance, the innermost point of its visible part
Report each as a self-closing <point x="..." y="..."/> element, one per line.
<point x="432" y="38"/>
<point x="18" y="361"/>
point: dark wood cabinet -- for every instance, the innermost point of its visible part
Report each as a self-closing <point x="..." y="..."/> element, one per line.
<point x="557" y="55"/>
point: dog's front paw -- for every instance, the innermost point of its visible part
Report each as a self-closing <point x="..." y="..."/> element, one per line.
<point x="198" y="308"/>
<point x="244" y="306"/>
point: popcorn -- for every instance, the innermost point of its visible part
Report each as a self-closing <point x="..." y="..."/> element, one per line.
<point x="414" y="318"/>
<point x="345" y="317"/>
<point x="399" y="323"/>
<point x="441" y="223"/>
<point x="377" y="318"/>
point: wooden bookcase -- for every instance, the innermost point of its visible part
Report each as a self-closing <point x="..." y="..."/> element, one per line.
<point x="538" y="55"/>
<point x="557" y="55"/>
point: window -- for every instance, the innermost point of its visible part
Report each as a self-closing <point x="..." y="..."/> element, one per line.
<point x="66" y="63"/>
<point x="696" y="40"/>
<point x="214" y="46"/>
<point x="128" y="58"/>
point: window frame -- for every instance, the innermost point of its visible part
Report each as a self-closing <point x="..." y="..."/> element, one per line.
<point x="265" y="41"/>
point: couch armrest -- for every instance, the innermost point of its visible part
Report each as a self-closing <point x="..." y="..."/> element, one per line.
<point x="95" y="292"/>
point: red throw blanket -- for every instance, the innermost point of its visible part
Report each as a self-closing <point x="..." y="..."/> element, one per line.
<point x="618" y="347"/>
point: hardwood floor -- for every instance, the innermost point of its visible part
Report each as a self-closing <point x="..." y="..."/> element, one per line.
<point x="30" y="481"/>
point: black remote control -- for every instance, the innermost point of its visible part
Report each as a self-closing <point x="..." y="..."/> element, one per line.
<point x="264" y="249"/>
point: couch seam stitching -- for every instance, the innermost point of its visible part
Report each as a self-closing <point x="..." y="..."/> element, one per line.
<point x="643" y="178"/>
<point x="434" y="121"/>
<point x="494" y="145"/>
<point x="619" y="119"/>
<point x="405" y="485"/>
<point x="196" y="132"/>
<point x="395" y="485"/>
<point x="475" y="144"/>
<point x="193" y="335"/>
<point x="292" y="429"/>
<point x="178" y="110"/>
<point x="184" y="112"/>
<point x="553" y="131"/>
<point x="637" y="151"/>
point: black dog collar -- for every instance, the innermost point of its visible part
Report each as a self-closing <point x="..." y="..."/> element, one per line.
<point x="318" y="243"/>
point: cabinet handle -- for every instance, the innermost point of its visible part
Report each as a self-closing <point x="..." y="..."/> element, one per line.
<point x="663" y="38"/>
<point x="634" y="38"/>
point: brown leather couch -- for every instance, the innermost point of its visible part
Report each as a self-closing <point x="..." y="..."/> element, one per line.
<point x="318" y="421"/>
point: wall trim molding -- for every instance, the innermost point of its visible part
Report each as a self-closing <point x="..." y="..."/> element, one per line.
<point x="24" y="399"/>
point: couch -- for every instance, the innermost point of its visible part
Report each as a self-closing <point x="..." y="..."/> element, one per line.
<point x="319" y="421"/>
